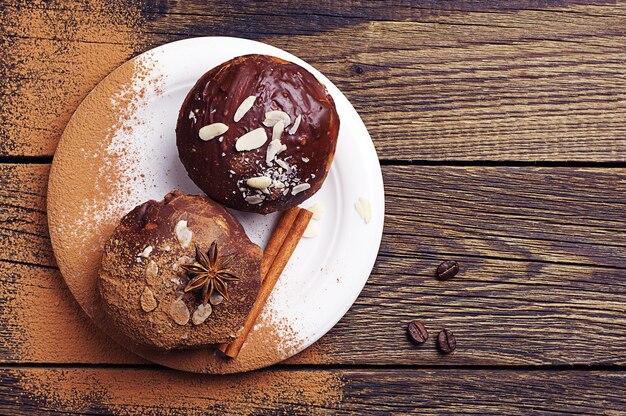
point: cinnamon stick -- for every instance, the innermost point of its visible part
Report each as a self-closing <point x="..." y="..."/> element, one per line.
<point x="278" y="265"/>
<point x="278" y="237"/>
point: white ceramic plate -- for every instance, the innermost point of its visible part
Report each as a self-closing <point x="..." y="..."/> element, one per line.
<point x="325" y="274"/>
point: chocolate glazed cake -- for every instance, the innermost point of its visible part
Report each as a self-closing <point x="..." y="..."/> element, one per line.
<point x="258" y="133"/>
<point x="179" y="273"/>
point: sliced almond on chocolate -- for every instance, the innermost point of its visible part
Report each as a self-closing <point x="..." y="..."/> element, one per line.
<point x="260" y="182"/>
<point x="152" y="269"/>
<point x="183" y="234"/>
<point x="300" y="188"/>
<point x="282" y="164"/>
<point x="211" y="131"/>
<point x="296" y="124"/>
<point x="146" y="252"/>
<point x="152" y="273"/>
<point x="179" y="312"/>
<point x="277" y="130"/>
<point x="254" y="199"/>
<point x="244" y="107"/>
<point x="216" y="298"/>
<point x="147" y="300"/>
<point x="273" y="117"/>
<point x="251" y="140"/>
<point x="181" y="261"/>
<point x="274" y="148"/>
<point x="201" y="314"/>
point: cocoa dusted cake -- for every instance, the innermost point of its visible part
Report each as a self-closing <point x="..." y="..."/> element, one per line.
<point x="179" y="273"/>
<point x="258" y="133"/>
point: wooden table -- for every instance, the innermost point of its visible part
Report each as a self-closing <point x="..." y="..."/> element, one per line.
<point x="501" y="130"/>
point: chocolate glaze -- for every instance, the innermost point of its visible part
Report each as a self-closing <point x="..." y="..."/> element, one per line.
<point x="219" y="169"/>
<point x="122" y="277"/>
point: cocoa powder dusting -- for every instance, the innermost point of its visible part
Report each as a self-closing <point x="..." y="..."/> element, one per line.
<point x="270" y="341"/>
<point x="53" y="55"/>
<point x="149" y="392"/>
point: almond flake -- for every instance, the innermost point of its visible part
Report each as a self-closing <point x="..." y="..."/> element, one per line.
<point x="274" y="148"/>
<point x="296" y="124"/>
<point x="181" y="260"/>
<point x="305" y="159"/>
<point x="273" y="117"/>
<point x="278" y="184"/>
<point x="211" y="131"/>
<point x="179" y="313"/>
<point x="310" y="231"/>
<point x="152" y="271"/>
<point x="317" y="210"/>
<point x="282" y="164"/>
<point x="254" y="199"/>
<point x="200" y="314"/>
<point x="362" y="206"/>
<point x="244" y="107"/>
<point x="299" y="188"/>
<point x="147" y="300"/>
<point x="251" y="140"/>
<point x="260" y="182"/>
<point x="277" y="130"/>
<point x="183" y="234"/>
<point x="146" y="252"/>
<point x="216" y="298"/>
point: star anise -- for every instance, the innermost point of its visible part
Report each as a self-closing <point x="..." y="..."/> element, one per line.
<point x="209" y="273"/>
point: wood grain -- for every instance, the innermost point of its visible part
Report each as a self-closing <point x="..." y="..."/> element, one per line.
<point x="464" y="81"/>
<point x="23" y="221"/>
<point x="542" y="250"/>
<point x="542" y="281"/>
<point x="354" y="391"/>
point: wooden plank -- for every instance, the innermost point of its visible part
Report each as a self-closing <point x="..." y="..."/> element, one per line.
<point x="377" y="10"/>
<point x="542" y="253"/>
<point x="28" y="391"/>
<point x="23" y="221"/>
<point x="458" y="81"/>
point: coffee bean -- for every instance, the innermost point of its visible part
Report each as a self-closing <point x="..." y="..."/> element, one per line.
<point x="446" y="341"/>
<point x="418" y="332"/>
<point x="447" y="270"/>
